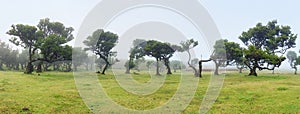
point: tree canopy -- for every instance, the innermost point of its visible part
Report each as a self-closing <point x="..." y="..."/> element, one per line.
<point x="47" y="37"/>
<point x="101" y="43"/>
<point x="293" y="60"/>
<point x="186" y="46"/>
<point x="264" y="44"/>
<point x="161" y="52"/>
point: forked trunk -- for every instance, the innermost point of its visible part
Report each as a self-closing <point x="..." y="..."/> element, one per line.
<point x="168" y="67"/>
<point x="253" y="72"/>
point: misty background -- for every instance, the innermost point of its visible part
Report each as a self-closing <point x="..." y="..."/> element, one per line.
<point x="231" y="18"/>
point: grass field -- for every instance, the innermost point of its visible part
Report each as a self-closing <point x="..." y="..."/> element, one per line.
<point x="54" y="92"/>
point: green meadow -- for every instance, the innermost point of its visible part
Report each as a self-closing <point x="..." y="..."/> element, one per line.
<point x="55" y="92"/>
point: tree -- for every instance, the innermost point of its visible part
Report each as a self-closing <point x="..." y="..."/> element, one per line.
<point x="8" y="57"/>
<point x="186" y="46"/>
<point x="149" y="63"/>
<point x="167" y="50"/>
<point x="101" y="43"/>
<point x="129" y="64"/>
<point x="225" y="54"/>
<point x="101" y="63"/>
<point x="219" y="55"/>
<point x="293" y="60"/>
<point x="138" y="62"/>
<point x="177" y="65"/>
<point x="23" y="59"/>
<point x="47" y="38"/>
<point x="12" y="60"/>
<point x="264" y="44"/>
<point x="55" y="35"/>
<point x="27" y="37"/>
<point x="90" y="62"/>
<point x="79" y="56"/>
<point x="152" y="49"/>
<point x="5" y="51"/>
<point x="161" y="52"/>
<point x="136" y="52"/>
<point x="234" y="55"/>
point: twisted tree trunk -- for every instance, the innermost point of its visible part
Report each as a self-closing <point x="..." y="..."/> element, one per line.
<point x="253" y="72"/>
<point x="105" y="67"/>
<point x="157" y="67"/>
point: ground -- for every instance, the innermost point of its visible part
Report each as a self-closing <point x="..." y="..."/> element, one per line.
<point x="55" y="92"/>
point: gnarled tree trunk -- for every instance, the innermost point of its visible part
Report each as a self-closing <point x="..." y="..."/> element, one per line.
<point x="168" y="66"/>
<point x="196" y="73"/>
<point x="39" y="68"/>
<point x="157" y="67"/>
<point x="253" y="72"/>
<point x="29" y="68"/>
<point x="217" y="68"/>
<point x="105" y="67"/>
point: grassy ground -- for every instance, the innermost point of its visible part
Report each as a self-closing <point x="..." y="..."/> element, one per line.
<point x="56" y="93"/>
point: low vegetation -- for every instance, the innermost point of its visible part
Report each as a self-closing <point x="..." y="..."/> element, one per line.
<point x="53" y="92"/>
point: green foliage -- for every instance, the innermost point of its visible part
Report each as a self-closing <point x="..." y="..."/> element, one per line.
<point x="160" y="51"/>
<point x="5" y="51"/>
<point x="55" y="28"/>
<point x="264" y="43"/>
<point x="26" y="35"/>
<point x="152" y="48"/>
<point x="177" y="65"/>
<point x="48" y="37"/>
<point x="219" y="54"/>
<point x="55" y="36"/>
<point x="292" y="57"/>
<point x="234" y="53"/>
<point x="293" y="60"/>
<point x="219" y="50"/>
<point x="78" y="56"/>
<point x="136" y="52"/>
<point x="101" y="43"/>
<point x="186" y="46"/>
<point x="8" y="57"/>
<point x="52" y="50"/>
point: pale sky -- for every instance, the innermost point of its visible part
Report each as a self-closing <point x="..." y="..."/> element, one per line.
<point x="231" y="16"/>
